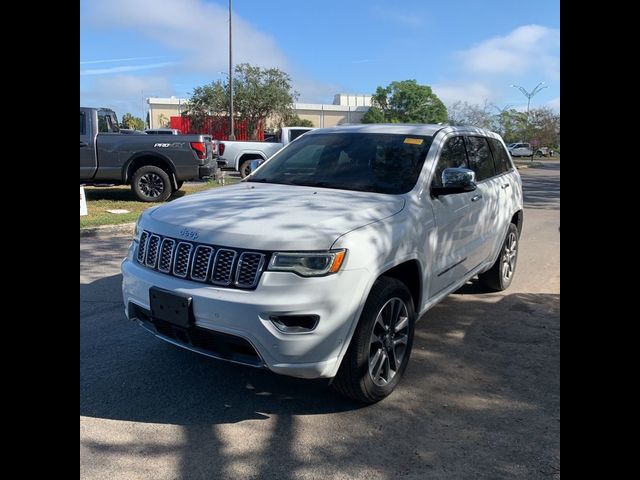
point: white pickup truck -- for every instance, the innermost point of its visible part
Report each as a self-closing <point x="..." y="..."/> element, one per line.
<point x="239" y="155"/>
<point x="319" y="264"/>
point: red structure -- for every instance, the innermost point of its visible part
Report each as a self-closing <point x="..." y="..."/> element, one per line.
<point x="217" y="127"/>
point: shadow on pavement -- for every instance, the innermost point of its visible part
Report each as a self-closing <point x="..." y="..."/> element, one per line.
<point x="480" y="397"/>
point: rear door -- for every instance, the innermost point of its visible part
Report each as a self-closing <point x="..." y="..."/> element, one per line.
<point x="88" y="158"/>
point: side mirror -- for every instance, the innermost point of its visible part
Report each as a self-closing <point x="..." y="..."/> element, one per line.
<point x="455" y="180"/>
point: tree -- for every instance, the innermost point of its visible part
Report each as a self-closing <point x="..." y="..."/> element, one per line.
<point x="163" y="121"/>
<point x="129" y="121"/>
<point x="544" y="126"/>
<point x="464" y="113"/>
<point x="259" y="93"/>
<point x="405" y="102"/>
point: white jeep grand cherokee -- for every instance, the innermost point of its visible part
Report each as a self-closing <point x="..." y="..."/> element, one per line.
<point x="319" y="264"/>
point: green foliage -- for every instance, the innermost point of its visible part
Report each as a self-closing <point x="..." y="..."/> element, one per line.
<point x="405" y="102"/>
<point x="163" y="121"/>
<point x="258" y="94"/>
<point x="129" y="121"/>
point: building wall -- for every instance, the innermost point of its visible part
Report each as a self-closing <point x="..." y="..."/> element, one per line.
<point x="351" y="110"/>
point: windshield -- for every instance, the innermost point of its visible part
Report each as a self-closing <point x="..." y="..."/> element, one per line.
<point x="368" y="162"/>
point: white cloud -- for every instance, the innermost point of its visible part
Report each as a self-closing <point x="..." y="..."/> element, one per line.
<point x="527" y="48"/>
<point x="194" y="27"/>
<point x="554" y="104"/>
<point x="124" y="68"/>
<point x="110" y="60"/>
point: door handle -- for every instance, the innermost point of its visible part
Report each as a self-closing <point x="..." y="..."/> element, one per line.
<point x="84" y="144"/>
<point x="476" y="198"/>
<point x="506" y="185"/>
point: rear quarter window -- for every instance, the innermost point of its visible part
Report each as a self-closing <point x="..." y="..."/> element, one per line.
<point x="501" y="158"/>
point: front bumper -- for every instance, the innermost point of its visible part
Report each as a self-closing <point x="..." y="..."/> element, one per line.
<point x="336" y="299"/>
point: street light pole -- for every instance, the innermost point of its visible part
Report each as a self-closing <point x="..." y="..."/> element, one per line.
<point x="529" y="96"/>
<point x="231" y="127"/>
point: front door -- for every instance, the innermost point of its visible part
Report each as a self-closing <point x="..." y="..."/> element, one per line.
<point x="456" y="216"/>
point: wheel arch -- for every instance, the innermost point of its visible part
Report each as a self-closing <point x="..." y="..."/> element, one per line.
<point x="145" y="158"/>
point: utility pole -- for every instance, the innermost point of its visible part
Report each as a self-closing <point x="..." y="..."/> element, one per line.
<point x="232" y="135"/>
<point x="529" y="96"/>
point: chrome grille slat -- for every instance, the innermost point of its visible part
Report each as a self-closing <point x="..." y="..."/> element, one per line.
<point x="249" y="268"/>
<point x="225" y="267"/>
<point x="152" y="251"/>
<point x="222" y="271"/>
<point x="200" y="264"/>
<point x="142" y="246"/>
<point x="181" y="259"/>
<point x="166" y="255"/>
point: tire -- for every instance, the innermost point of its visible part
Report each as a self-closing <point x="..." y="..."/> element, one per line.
<point x="500" y="275"/>
<point x="245" y="167"/>
<point x="151" y="184"/>
<point x="366" y="373"/>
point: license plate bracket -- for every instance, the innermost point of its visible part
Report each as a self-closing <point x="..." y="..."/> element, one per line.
<point x="171" y="307"/>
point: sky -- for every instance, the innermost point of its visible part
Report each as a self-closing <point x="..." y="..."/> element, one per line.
<point x="465" y="50"/>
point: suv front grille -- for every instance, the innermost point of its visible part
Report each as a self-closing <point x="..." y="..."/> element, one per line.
<point x="201" y="263"/>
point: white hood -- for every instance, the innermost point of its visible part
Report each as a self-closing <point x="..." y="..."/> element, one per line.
<point x="266" y="216"/>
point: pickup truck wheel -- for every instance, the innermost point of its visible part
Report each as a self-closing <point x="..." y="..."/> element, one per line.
<point x="245" y="167"/>
<point x="381" y="345"/>
<point x="151" y="184"/>
<point x="500" y="275"/>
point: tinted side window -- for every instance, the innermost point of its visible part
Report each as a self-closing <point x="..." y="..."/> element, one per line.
<point x="480" y="159"/>
<point x="453" y="155"/>
<point x="103" y="123"/>
<point x="500" y="156"/>
<point x="83" y="128"/>
<point x="293" y="134"/>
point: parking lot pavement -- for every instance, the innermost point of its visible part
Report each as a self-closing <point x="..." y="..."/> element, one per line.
<point x="480" y="398"/>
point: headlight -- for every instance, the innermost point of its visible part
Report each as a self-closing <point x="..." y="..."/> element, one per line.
<point x="308" y="264"/>
<point x="137" y="231"/>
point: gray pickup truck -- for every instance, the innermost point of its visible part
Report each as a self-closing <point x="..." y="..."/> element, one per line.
<point x="240" y="155"/>
<point x="154" y="165"/>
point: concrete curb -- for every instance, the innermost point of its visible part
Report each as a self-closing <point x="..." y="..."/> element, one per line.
<point x="123" y="228"/>
<point x="528" y="165"/>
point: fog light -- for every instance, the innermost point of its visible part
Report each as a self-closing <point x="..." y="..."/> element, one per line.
<point x="295" y="323"/>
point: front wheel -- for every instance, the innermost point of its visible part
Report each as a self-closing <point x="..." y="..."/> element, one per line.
<point x="500" y="275"/>
<point x="381" y="345"/>
<point x="151" y="184"/>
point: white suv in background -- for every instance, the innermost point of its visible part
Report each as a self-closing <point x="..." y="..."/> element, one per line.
<point x="319" y="264"/>
<point x="521" y="150"/>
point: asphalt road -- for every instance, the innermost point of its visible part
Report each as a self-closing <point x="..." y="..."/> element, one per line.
<point x="480" y="398"/>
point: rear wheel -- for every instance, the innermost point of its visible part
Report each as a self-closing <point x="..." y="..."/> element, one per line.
<point x="500" y="275"/>
<point x="151" y="184"/>
<point x="245" y="167"/>
<point x="381" y="345"/>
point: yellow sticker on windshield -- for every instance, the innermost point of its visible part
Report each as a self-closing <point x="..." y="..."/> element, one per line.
<point x="414" y="141"/>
